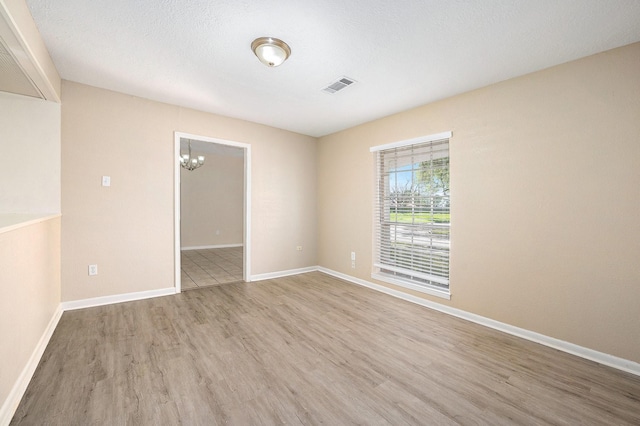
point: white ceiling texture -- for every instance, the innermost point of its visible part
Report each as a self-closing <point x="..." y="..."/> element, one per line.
<point x="402" y="53"/>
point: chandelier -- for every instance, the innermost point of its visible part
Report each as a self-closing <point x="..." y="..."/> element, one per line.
<point x="191" y="163"/>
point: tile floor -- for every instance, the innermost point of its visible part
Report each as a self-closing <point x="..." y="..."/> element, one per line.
<point x="207" y="267"/>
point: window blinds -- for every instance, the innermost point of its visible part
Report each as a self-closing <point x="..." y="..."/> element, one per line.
<point x="412" y="211"/>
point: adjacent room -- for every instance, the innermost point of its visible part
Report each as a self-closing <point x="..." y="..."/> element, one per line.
<point x="211" y="214"/>
<point x="285" y="212"/>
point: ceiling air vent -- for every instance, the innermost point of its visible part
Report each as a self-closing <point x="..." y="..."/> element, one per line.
<point x="13" y="79"/>
<point x="20" y="71"/>
<point x="338" y="85"/>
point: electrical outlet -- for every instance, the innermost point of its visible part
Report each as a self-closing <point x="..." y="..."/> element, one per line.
<point x="299" y="248"/>
<point x="106" y="180"/>
<point x="353" y="264"/>
<point x="93" y="269"/>
<point x="353" y="256"/>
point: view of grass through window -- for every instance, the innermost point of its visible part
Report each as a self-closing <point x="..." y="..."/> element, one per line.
<point x="419" y="217"/>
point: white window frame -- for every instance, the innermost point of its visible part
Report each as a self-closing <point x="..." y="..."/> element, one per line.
<point x="441" y="285"/>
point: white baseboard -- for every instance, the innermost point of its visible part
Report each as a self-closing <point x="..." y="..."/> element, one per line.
<point x="590" y="354"/>
<point x="278" y="274"/>
<point x="210" y="247"/>
<point x="10" y="404"/>
<point x="117" y="298"/>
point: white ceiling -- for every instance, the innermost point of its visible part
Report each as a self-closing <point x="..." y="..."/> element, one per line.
<point x="402" y="53"/>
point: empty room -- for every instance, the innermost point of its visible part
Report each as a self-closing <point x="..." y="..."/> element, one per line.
<point x="295" y="212"/>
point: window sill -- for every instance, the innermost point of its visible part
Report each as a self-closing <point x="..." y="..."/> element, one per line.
<point x="430" y="290"/>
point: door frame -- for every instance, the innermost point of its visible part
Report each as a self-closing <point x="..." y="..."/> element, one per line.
<point x="246" y="246"/>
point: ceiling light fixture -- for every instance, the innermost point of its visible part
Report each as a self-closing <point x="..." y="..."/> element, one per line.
<point x="271" y="51"/>
<point x="191" y="163"/>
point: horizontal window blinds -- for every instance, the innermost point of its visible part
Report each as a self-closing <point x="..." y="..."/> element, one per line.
<point x="412" y="212"/>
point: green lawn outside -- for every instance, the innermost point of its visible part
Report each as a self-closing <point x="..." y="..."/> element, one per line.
<point x="423" y="217"/>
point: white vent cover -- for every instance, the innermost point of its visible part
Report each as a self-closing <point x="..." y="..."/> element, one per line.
<point x="20" y="71"/>
<point x="13" y="79"/>
<point x="339" y="85"/>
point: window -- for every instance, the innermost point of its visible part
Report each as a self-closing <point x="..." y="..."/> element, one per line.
<point x="412" y="214"/>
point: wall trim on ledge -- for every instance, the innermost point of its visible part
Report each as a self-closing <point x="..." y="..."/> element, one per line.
<point x="117" y="298"/>
<point x="10" y="404"/>
<point x="571" y="348"/>
<point x="278" y="274"/>
<point x="210" y="247"/>
<point x="11" y="222"/>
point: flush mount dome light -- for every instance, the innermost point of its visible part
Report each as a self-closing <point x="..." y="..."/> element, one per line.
<point x="271" y="51"/>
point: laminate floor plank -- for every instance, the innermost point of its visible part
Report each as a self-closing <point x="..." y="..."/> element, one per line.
<point x="307" y="350"/>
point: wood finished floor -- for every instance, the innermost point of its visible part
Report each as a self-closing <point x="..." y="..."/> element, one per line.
<point x="308" y="349"/>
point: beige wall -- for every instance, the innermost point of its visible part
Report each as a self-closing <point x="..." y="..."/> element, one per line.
<point x="212" y="202"/>
<point x="30" y="149"/>
<point x="545" y="181"/>
<point x="29" y="184"/>
<point x="127" y="229"/>
<point x="29" y="295"/>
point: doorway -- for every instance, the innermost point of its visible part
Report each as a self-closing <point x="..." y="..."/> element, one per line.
<point x="211" y="247"/>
